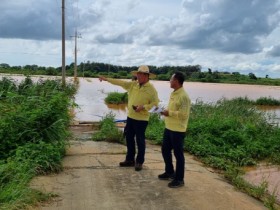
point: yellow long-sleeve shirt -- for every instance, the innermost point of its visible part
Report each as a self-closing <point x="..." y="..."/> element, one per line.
<point x="145" y="95"/>
<point x="179" y="110"/>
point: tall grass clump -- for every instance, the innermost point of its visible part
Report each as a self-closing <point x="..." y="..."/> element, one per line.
<point x="268" y="101"/>
<point x="108" y="131"/>
<point x="116" y="98"/>
<point x="231" y="132"/>
<point x="34" y="122"/>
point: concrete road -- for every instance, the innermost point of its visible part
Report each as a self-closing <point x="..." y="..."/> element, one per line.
<point x="92" y="180"/>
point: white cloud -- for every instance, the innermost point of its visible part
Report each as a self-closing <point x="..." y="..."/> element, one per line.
<point x="222" y="35"/>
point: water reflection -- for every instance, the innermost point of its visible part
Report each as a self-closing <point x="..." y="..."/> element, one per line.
<point x="122" y="107"/>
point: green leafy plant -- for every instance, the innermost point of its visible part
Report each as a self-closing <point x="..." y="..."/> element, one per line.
<point x="116" y="98"/>
<point x="34" y="122"/>
<point x="267" y="101"/>
<point x="108" y="130"/>
<point x="155" y="129"/>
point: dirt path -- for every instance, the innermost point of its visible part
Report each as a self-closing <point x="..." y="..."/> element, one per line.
<point x="92" y="180"/>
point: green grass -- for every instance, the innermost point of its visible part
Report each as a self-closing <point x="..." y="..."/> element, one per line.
<point x="33" y="131"/>
<point x="116" y="98"/>
<point x="233" y="132"/>
<point x="268" y="101"/>
<point x="108" y="130"/>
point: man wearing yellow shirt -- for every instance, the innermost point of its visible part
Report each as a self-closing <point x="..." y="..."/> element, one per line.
<point x="142" y="96"/>
<point x="176" y="122"/>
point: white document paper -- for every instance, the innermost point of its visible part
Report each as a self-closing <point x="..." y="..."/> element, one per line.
<point x="156" y="109"/>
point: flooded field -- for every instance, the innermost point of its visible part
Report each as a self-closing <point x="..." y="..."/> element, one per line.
<point x="92" y="93"/>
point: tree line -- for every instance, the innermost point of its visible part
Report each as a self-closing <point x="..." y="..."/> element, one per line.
<point x="93" y="69"/>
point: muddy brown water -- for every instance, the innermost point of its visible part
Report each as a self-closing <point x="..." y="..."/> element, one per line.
<point x="92" y="93"/>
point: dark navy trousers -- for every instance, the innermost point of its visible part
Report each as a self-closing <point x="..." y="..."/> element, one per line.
<point x="135" y="128"/>
<point x="173" y="140"/>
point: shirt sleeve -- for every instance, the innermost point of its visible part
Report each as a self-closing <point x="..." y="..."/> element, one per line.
<point x="124" y="84"/>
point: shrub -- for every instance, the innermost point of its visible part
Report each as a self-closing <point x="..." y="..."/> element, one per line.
<point x="108" y="130"/>
<point x="34" y="121"/>
<point x="116" y="98"/>
<point x="233" y="130"/>
<point x="268" y="101"/>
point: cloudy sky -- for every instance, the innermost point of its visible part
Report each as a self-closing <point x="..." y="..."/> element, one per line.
<point x="224" y="35"/>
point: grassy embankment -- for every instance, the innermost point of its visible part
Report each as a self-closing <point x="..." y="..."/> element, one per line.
<point x="227" y="136"/>
<point x="34" y="121"/>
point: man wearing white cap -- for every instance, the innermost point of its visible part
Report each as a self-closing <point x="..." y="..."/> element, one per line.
<point x="142" y="96"/>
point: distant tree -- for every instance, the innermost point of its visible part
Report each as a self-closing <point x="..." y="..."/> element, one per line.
<point x="4" y="65"/>
<point x="252" y="76"/>
<point x="122" y="73"/>
<point x="72" y="65"/>
<point x="42" y="68"/>
<point x="236" y="73"/>
<point x="51" y="71"/>
<point x="209" y="78"/>
<point x="198" y="75"/>
<point x="266" y="76"/>
<point x="209" y="71"/>
<point x="16" y="67"/>
<point x="216" y="75"/>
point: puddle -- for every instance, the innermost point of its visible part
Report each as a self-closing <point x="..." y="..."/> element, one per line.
<point x="265" y="173"/>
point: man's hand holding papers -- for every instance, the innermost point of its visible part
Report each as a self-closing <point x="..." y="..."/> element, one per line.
<point x="156" y="109"/>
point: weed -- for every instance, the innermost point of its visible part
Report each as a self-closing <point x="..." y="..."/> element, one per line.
<point x="116" y="98"/>
<point x="108" y="130"/>
<point x="33" y="133"/>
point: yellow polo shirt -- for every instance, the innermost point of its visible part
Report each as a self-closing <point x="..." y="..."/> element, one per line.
<point x="179" y="110"/>
<point x="145" y="95"/>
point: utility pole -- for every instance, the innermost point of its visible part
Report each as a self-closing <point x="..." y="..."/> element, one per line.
<point x="63" y="44"/>
<point x="84" y="68"/>
<point x="75" y="64"/>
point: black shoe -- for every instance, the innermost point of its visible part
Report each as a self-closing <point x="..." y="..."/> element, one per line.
<point x="138" y="167"/>
<point x="176" y="183"/>
<point x="166" y="176"/>
<point x="127" y="163"/>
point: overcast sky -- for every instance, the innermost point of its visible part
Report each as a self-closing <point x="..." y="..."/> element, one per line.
<point x="224" y="35"/>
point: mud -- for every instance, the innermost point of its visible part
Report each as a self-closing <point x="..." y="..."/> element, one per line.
<point x="266" y="175"/>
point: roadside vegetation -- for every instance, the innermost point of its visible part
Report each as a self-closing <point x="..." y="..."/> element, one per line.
<point x="228" y="136"/>
<point x="108" y="130"/>
<point x="193" y="73"/>
<point x="34" y="122"/>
